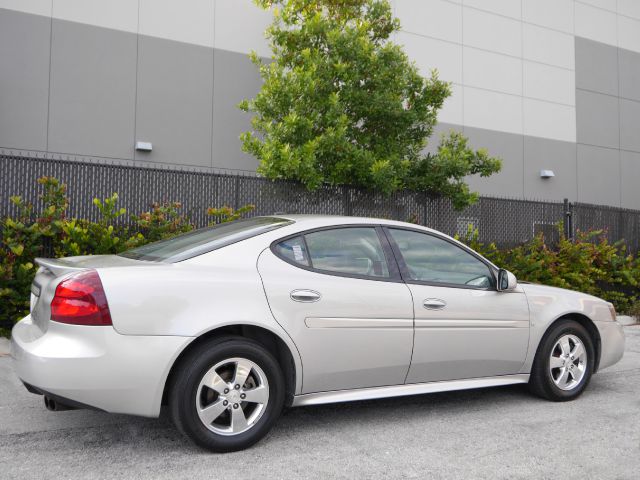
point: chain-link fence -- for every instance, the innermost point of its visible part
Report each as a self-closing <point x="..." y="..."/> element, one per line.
<point x="506" y="222"/>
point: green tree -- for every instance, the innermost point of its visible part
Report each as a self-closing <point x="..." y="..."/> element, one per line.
<point x="341" y="103"/>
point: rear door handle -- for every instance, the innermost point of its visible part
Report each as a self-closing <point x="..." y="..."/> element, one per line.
<point x="434" y="304"/>
<point x="308" y="296"/>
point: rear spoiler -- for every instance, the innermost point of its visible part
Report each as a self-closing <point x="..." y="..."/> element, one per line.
<point x="58" y="266"/>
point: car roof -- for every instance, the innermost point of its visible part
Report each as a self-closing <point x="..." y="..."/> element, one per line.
<point x="327" y="220"/>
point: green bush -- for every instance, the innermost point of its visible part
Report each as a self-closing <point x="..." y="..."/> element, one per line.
<point x="589" y="264"/>
<point x="50" y="233"/>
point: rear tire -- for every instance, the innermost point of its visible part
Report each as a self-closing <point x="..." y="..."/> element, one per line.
<point x="564" y="362"/>
<point x="226" y="394"/>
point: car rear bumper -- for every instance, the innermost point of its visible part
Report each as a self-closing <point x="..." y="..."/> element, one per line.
<point x="612" y="343"/>
<point x="96" y="366"/>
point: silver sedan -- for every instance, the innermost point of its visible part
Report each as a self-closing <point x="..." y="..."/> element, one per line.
<point x="230" y="324"/>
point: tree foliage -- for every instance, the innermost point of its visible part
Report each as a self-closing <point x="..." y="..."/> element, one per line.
<point x="341" y="103"/>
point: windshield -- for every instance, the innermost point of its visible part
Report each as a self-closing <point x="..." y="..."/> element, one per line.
<point x="204" y="240"/>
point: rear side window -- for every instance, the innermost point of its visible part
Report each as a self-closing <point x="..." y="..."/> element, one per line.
<point x="353" y="251"/>
<point x="204" y="240"/>
<point x="294" y="250"/>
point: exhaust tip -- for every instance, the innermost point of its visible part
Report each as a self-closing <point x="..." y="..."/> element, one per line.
<point x="55" y="406"/>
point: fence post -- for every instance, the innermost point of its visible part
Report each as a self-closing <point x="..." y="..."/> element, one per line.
<point x="346" y="201"/>
<point x="568" y="219"/>
<point x="237" y="193"/>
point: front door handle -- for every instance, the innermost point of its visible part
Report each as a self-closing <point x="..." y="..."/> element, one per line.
<point x="434" y="304"/>
<point x="308" y="296"/>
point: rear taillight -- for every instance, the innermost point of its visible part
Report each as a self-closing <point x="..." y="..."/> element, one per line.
<point x="80" y="300"/>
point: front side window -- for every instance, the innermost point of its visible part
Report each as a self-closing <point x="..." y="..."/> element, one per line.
<point x="351" y="251"/>
<point x="434" y="260"/>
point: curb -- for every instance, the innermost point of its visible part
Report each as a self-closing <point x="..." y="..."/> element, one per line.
<point x="5" y="346"/>
<point x="626" y="320"/>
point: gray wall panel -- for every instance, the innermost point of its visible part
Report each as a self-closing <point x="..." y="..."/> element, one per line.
<point x="546" y="154"/>
<point x="629" y="72"/>
<point x="598" y="175"/>
<point x="596" y="66"/>
<point x="174" y="101"/>
<point x="235" y="78"/>
<point x="630" y="173"/>
<point x="509" y="147"/>
<point x="597" y="119"/>
<point x="629" y="125"/>
<point x="24" y="80"/>
<point x="93" y="78"/>
<point x="439" y="130"/>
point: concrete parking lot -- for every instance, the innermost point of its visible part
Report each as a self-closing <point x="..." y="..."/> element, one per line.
<point x="491" y="433"/>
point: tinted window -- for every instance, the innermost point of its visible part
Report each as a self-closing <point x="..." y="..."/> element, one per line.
<point x="294" y="250"/>
<point x="431" y="259"/>
<point x="204" y="240"/>
<point x="355" y="251"/>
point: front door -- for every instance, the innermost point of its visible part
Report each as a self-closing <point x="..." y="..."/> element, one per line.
<point x="338" y="294"/>
<point x="464" y="327"/>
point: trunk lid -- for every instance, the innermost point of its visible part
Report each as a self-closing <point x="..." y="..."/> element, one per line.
<point x="53" y="270"/>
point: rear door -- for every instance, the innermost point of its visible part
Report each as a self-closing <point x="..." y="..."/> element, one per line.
<point x="464" y="327"/>
<point x="338" y="293"/>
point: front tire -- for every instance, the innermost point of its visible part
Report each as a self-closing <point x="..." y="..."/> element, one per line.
<point x="564" y="362"/>
<point x="226" y="394"/>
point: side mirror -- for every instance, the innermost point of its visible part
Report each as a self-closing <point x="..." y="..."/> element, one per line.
<point x="506" y="281"/>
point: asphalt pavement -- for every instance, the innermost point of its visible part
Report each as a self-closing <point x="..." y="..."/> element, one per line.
<point x="489" y="433"/>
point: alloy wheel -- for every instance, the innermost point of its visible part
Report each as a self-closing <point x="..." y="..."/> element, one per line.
<point x="568" y="362"/>
<point x="232" y="396"/>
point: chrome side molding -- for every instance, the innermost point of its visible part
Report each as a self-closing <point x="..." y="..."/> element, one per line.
<point x="337" y="396"/>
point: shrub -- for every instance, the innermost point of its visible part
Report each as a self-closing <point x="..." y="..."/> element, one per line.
<point x="589" y="264"/>
<point x="50" y="233"/>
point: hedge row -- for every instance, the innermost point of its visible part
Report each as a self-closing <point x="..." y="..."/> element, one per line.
<point x="589" y="263"/>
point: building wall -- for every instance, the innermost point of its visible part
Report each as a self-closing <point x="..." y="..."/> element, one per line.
<point x="544" y="84"/>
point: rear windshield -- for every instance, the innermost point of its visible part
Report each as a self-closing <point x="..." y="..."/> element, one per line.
<point x="204" y="240"/>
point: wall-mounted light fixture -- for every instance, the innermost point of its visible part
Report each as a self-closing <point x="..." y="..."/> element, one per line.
<point x="547" y="174"/>
<point x="144" y="146"/>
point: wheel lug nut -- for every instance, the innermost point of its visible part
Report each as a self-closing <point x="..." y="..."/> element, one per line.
<point x="235" y="405"/>
<point x="237" y="387"/>
<point x="226" y="390"/>
<point x="225" y="403"/>
<point x="243" y="395"/>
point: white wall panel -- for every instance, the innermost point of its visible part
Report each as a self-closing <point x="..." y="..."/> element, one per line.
<point x="429" y="53"/>
<point x="606" y="4"/>
<point x="549" y="83"/>
<point x="240" y="25"/>
<point x="493" y="71"/>
<point x="492" y="111"/>
<point x="509" y="8"/>
<point x="595" y="23"/>
<point x="549" y="120"/>
<point x="548" y="46"/>
<point x="556" y="14"/>
<point x="452" y="110"/>
<point x="630" y="8"/>
<point x="492" y="32"/>
<point x="116" y="14"/>
<point x="629" y="33"/>
<point x="434" y="18"/>
<point x="189" y="21"/>
<point x="36" y="7"/>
